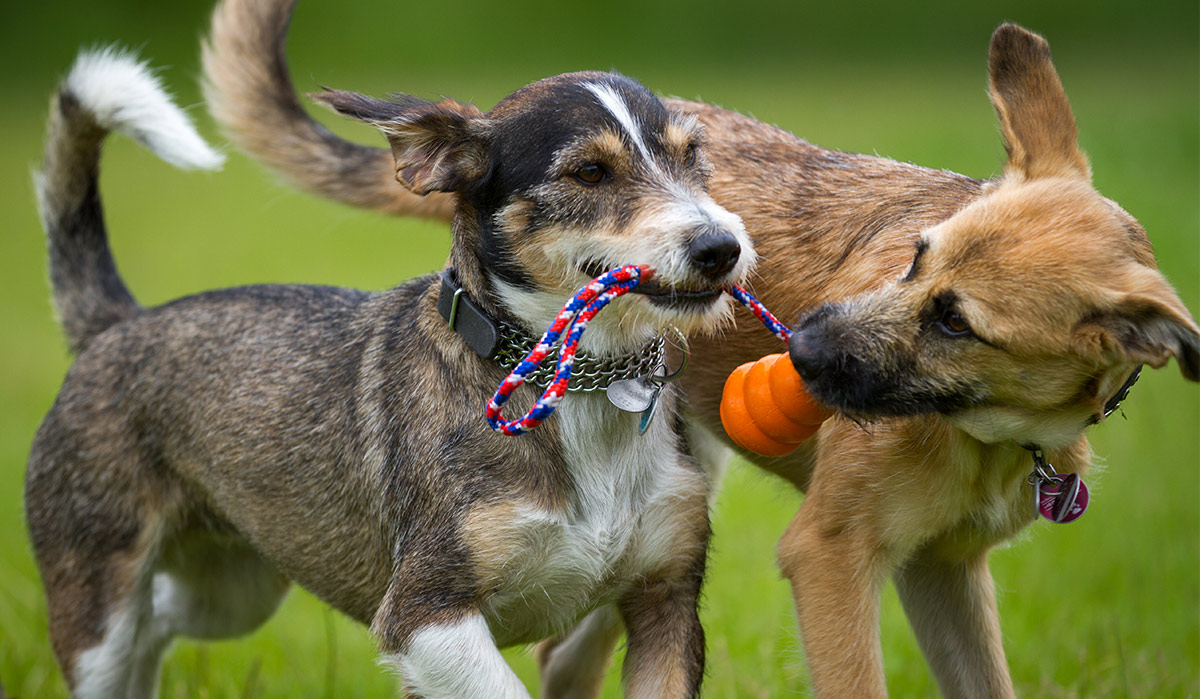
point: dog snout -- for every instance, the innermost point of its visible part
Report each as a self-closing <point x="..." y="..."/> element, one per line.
<point x="714" y="253"/>
<point x="816" y="317"/>
<point x="805" y="351"/>
<point x="808" y="348"/>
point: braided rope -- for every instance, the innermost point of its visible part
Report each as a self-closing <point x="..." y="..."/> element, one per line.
<point x="574" y="316"/>
<point x="760" y="311"/>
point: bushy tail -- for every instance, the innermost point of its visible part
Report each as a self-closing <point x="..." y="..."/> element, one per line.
<point x="106" y="90"/>
<point x="250" y="94"/>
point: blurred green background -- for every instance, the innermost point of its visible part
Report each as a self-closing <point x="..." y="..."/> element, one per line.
<point x="1109" y="606"/>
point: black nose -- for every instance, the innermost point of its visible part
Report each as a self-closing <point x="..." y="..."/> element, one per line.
<point x="805" y="351"/>
<point x="714" y="253"/>
<point x="808" y="348"/>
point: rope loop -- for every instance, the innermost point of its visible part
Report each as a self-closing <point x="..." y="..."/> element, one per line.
<point x="573" y="317"/>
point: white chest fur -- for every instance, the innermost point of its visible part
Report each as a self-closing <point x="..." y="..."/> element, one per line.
<point x="632" y="498"/>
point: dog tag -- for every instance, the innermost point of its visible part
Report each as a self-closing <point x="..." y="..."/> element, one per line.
<point x="648" y="415"/>
<point x="1062" y="499"/>
<point x="635" y="395"/>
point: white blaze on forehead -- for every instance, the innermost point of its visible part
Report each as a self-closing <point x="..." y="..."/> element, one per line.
<point x="620" y="111"/>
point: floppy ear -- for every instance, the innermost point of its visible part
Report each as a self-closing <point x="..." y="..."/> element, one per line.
<point x="1144" y="329"/>
<point x="1035" y="116"/>
<point x="437" y="146"/>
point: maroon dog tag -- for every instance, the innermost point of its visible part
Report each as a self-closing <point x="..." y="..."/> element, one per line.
<point x="1062" y="499"/>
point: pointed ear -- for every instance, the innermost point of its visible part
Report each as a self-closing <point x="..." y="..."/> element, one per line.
<point x="1143" y="329"/>
<point x="1035" y="116"/>
<point x="437" y="146"/>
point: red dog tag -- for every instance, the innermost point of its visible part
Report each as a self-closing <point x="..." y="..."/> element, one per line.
<point x="1062" y="499"/>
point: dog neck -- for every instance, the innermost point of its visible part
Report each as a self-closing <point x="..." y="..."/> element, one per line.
<point x="1071" y="456"/>
<point x="468" y="259"/>
<point x="502" y="321"/>
<point x="502" y="291"/>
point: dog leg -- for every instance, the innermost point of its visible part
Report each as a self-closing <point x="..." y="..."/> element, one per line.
<point x="951" y="605"/>
<point x="665" y="642"/>
<point x="205" y="586"/>
<point x="96" y="515"/>
<point x="456" y="659"/>
<point x="574" y="664"/>
<point x="433" y="635"/>
<point x="126" y="660"/>
<point x="837" y="574"/>
<point x="101" y="622"/>
<point x="213" y="586"/>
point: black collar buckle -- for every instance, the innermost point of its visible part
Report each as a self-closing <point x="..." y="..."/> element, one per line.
<point x="466" y="319"/>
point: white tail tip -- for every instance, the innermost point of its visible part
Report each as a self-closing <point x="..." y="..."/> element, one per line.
<point x="122" y="94"/>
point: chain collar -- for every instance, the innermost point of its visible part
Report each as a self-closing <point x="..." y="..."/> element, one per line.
<point x="588" y="373"/>
<point x="507" y="345"/>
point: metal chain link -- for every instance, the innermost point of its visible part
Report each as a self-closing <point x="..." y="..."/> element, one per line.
<point x="588" y="373"/>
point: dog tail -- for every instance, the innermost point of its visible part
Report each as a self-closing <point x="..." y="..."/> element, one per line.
<point x="106" y="90"/>
<point x="250" y="94"/>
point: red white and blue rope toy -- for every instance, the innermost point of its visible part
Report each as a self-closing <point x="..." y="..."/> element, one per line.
<point x="760" y="311"/>
<point x="574" y="316"/>
<point x="582" y="307"/>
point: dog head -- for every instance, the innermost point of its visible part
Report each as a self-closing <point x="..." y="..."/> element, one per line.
<point x="565" y="179"/>
<point x="1025" y="312"/>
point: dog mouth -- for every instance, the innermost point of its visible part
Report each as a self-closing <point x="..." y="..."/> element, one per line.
<point x="867" y="396"/>
<point x="676" y="298"/>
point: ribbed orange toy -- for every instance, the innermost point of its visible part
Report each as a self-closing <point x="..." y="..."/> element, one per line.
<point x="766" y="408"/>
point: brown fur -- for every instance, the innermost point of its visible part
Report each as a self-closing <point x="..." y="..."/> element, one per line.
<point x="660" y="629"/>
<point x="1040" y="261"/>
<point x="314" y="159"/>
<point x="1061" y="292"/>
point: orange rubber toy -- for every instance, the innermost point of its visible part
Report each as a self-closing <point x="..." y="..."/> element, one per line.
<point x="766" y="409"/>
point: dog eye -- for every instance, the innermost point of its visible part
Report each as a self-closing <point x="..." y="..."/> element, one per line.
<point x="690" y="156"/>
<point x="953" y="324"/>
<point x="591" y="174"/>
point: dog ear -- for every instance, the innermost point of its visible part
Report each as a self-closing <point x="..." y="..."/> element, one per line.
<point x="1143" y="329"/>
<point x="1035" y="117"/>
<point x="437" y="146"/>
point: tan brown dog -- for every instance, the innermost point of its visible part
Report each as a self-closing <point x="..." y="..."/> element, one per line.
<point x="956" y="324"/>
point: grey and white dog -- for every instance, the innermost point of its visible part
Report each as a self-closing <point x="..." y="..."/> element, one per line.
<point x="203" y="454"/>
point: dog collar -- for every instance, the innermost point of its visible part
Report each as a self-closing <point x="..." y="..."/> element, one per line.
<point x="1122" y="393"/>
<point x="1064" y="498"/>
<point x="507" y="345"/>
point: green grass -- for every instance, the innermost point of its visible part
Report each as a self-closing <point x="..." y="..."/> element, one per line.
<point x="1108" y="606"/>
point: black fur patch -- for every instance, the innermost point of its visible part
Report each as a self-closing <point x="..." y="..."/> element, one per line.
<point x="526" y="139"/>
<point x="529" y="129"/>
<point x="922" y="246"/>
